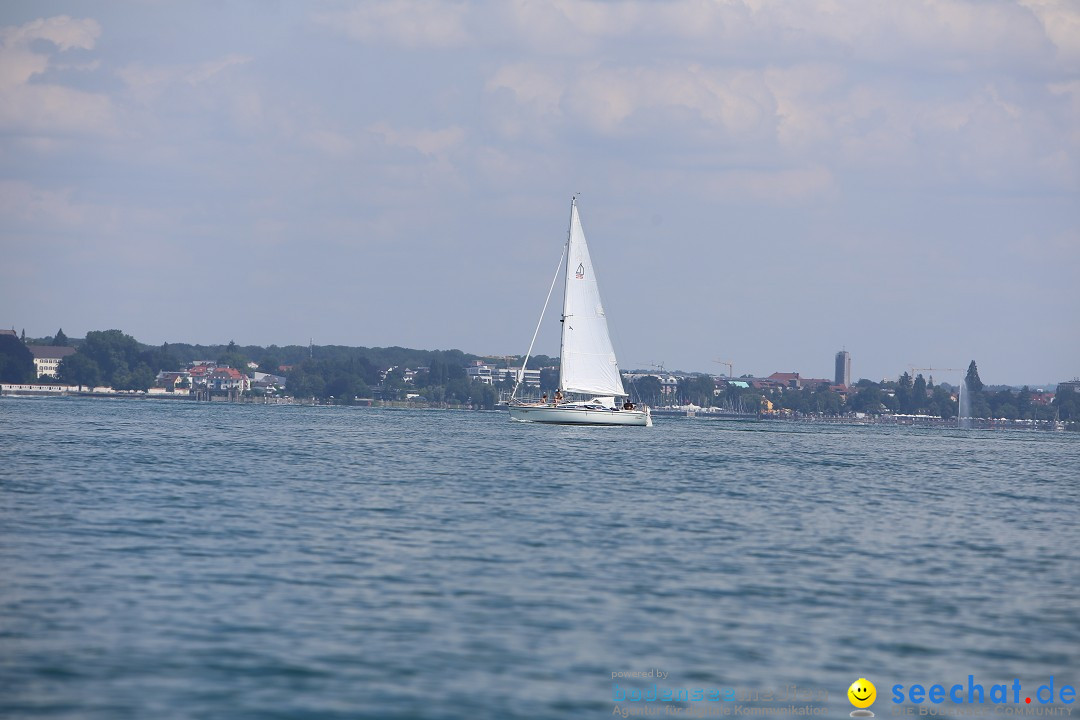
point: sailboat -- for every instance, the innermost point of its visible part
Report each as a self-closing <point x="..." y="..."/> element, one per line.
<point x="588" y="368"/>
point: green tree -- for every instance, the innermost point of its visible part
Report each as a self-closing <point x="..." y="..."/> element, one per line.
<point x="549" y="379"/>
<point x="433" y="393"/>
<point x="918" y="394"/>
<point x="972" y="381"/>
<point x="394" y="381"/>
<point x="696" y="389"/>
<point x="1067" y="404"/>
<point x="306" y="382"/>
<point x="483" y="396"/>
<point x="1007" y="411"/>
<point x="444" y="367"/>
<point x="831" y="404"/>
<point x="1023" y="403"/>
<point x="79" y="369"/>
<point x="16" y="361"/>
<point x="270" y="363"/>
<point x="867" y="400"/>
<point x="232" y="357"/>
<point x="941" y="403"/>
<point x="903" y="393"/>
<point x="60" y="339"/>
<point x="346" y="387"/>
<point x="1000" y="399"/>
<point x="336" y="376"/>
<point x="648" y="389"/>
<point x="158" y="359"/>
<point x="113" y="351"/>
<point x="458" y="390"/>
<point x="141" y="377"/>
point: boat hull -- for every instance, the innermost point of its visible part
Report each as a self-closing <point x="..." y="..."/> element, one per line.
<point x="579" y="416"/>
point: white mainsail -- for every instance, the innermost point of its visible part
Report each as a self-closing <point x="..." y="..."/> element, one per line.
<point x="588" y="364"/>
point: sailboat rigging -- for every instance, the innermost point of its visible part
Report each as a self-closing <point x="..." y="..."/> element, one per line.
<point x="588" y="366"/>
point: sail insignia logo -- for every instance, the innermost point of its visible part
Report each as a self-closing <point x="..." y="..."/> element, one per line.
<point x="580" y="272"/>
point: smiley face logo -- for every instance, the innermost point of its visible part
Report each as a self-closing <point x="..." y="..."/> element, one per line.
<point x="862" y="693"/>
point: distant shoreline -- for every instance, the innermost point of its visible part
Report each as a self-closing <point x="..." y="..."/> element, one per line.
<point x="665" y="414"/>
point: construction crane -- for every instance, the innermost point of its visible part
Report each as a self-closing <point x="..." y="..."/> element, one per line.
<point x="915" y="370"/>
<point x="658" y="367"/>
<point x="730" y="366"/>
<point x="930" y="370"/>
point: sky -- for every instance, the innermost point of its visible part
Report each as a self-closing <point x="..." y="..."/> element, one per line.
<point x="760" y="182"/>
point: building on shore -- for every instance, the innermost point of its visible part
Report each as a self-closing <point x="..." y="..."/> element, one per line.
<point x="480" y="372"/>
<point x="843" y="368"/>
<point x="47" y="358"/>
<point x="172" y="381"/>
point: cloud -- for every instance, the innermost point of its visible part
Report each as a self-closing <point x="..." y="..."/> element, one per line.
<point x="35" y="109"/>
<point x="1060" y="20"/>
<point x="147" y="82"/>
<point x="428" y="142"/>
<point x="785" y="133"/>
<point x="853" y="84"/>
<point x="946" y="33"/>
<point x="138" y="75"/>
<point x="18" y="63"/>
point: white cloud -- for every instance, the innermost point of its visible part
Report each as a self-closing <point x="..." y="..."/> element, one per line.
<point x="149" y="81"/>
<point x="33" y="109"/>
<point x="65" y="32"/>
<point x="531" y="85"/>
<point x="1061" y="21"/>
<point x="951" y="124"/>
<point x="428" y="142"/>
<point x="955" y="34"/>
<point x="798" y="92"/>
<point x="329" y="142"/>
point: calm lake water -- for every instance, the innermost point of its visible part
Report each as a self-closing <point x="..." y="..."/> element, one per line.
<point x="173" y="559"/>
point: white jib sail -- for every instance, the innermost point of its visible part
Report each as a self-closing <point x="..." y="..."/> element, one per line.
<point x="588" y="364"/>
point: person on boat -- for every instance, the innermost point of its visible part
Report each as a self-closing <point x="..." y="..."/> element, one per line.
<point x="558" y="397"/>
<point x="543" y="400"/>
<point x="628" y="405"/>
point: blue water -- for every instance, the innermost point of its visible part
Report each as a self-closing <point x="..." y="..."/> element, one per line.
<point x="173" y="559"/>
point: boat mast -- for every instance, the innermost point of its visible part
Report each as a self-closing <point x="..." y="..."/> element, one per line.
<point x="566" y="292"/>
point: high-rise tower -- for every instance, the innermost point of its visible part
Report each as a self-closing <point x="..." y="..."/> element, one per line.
<point x="843" y="368"/>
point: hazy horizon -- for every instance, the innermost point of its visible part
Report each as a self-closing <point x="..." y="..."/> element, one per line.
<point x="762" y="183"/>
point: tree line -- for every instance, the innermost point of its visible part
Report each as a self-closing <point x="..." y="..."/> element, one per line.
<point x="906" y="395"/>
<point x="343" y="373"/>
<point x="326" y="372"/>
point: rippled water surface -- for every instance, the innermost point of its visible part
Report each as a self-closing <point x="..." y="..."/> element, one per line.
<point x="173" y="559"/>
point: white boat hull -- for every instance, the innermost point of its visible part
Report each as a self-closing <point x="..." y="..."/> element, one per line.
<point x="579" y="416"/>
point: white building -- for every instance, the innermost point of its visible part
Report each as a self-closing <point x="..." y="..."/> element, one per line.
<point x="480" y="372"/>
<point x="47" y="358"/>
<point x="531" y="379"/>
